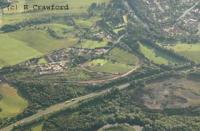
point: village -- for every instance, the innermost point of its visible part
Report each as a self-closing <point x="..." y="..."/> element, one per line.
<point x="60" y="60"/>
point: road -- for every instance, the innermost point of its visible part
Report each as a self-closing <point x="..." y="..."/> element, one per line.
<point x="188" y="10"/>
<point x="59" y="107"/>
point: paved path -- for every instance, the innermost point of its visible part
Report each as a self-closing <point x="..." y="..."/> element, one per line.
<point x="188" y="11"/>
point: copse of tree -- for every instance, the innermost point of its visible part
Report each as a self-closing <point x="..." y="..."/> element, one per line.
<point x="4" y="4"/>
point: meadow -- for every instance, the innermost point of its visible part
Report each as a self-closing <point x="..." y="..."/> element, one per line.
<point x="156" y="56"/>
<point x="120" y="55"/>
<point x="22" y="45"/>
<point x="190" y="51"/>
<point x="11" y="103"/>
<point x="41" y="40"/>
<point x="103" y="65"/>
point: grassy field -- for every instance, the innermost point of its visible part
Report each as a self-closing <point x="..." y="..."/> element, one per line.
<point x="18" y="46"/>
<point x="156" y="56"/>
<point x="102" y="65"/>
<point x="13" y="51"/>
<point x="120" y="55"/>
<point x="37" y="127"/>
<point x="42" y="61"/>
<point x="171" y="93"/>
<point x="191" y="51"/>
<point x="92" y="44"/>
<point x="11" y="103"/>
<point x="41" y="41"/>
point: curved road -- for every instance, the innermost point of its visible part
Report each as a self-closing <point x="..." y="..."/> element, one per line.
<point x="188" y="10"/>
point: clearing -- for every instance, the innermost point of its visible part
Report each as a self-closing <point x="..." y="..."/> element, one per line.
<point x="11" y="103"/>
<point x="171" y="93"/>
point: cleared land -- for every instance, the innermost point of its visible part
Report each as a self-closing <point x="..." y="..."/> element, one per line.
<point x="190" y="51"/>
<point x="11" y="103"/>
<point x="171" y="93"/>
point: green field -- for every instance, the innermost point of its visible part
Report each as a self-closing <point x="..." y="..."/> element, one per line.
<point x="190" y="51"/>
<point x="156" y="56"/>
<point x="42" y="61"/>
<point x="116" y="61"/>
<point x="13" y="51"/>
<point x="22" y="45"/>
<point x="102" y="65"/>
<point x="120" y="55"/>
<point x="11" y="103"/>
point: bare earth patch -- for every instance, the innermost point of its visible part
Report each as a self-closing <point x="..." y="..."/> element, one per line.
<point x="171" y="93"/>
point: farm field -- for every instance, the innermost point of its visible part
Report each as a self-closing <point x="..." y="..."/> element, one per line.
<point x="171" y="93"/>
<point x="11" y="103"/>
<point x="190" y="51"/>
<point x="13" y="51"/>
<point x="22" y="45"/>
<point x="156" y="56"/>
